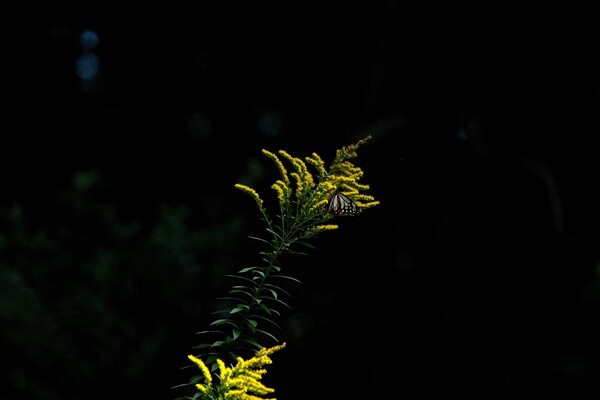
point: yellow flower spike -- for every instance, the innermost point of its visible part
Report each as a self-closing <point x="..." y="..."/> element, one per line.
<point x="234" y="394"/>
<point x="364" y="206"/>
<point x="364" y="198"/>
<point x="288" y="157"/>
<point x="279" y="164"/>
<point x="301" y="169"/>
<point x="322" y="228"/>
<point x="201" y="388"/>
<point x="319" y="205"/>
<point x="349" y="152"/>
<point x="224" y="372"/>
<point x="318" y="163"/>
<point x="282" y="192"/>
<point x="299" y="184"/>
<point x="306" y="175"/>
<point x="251" y="192"/>
<point x="328" y="186"/>
<point x="268" y="351"/>
<point x="203" y="368"/>
<point x="346" y="153"/>
<point x="352" y="174"/>
<point x="360" y="186"/>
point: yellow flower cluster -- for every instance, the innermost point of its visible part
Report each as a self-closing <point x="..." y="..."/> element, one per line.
<point x="251" y="192"/>
<point x="310" y="197"/>
<point x="240" y="382"/>
<point x="346" y="176"/>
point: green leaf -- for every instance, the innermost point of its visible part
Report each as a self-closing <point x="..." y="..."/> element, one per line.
<point x="265" y="308"/>
<point x="201" y="346"/>
<point x="253" y="343"/>
<point x="211" y="359"/>
<point x="229" y="298"/>
<point x="299" y="253"/>
<point x="196" y="379"/>
<point x="277" y="235"/>
<point x="268" y="286"/>
<point x="266" y="319"/>
<point x="268" y="310"/>
<point x="236" y="333"/>
<point x="239" y="308"/>
<point x="221" y="312"/>
<point x="267" y="334"/>
<point x="241" y="287"/>
<point x="260" y="239"/>
<point x="241" y="277"/>
<point x="277" y="300"/>
<point x="306" y="244"/>
<point x="286" y="277"/>
<point x="224" y="322"/>
<point x="251" y="323"/>
<point x="244" y="270"/>
<point x="204" y="332"/>
<point x="249" y="292"/>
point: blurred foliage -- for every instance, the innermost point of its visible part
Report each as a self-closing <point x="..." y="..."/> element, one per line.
<point x="96" y="301"/>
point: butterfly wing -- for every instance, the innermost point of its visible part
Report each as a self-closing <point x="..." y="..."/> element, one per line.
<point x="339" y="203"/>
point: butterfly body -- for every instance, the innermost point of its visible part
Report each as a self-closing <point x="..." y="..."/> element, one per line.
<point x="339" y="203"/>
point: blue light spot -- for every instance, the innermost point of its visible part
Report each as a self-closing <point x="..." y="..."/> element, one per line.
<point x="88" y="39"/>
<point x="87" y="66"/>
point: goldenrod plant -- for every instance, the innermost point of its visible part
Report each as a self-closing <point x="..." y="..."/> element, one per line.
<point x="307" y="201"/>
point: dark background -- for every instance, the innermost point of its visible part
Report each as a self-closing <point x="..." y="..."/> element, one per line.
<point x="476" y="278"/>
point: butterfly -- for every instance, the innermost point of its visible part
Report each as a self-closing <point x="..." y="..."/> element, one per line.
<point x="339" y="203"/>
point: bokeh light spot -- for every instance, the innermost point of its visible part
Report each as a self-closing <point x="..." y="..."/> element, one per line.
<point x="88" y="40"/>
<point x="87" y="66"/>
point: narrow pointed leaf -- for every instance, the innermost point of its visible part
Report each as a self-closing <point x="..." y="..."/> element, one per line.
<point x="286" y="277"/>
<point x="251" y="323"/>
<point x="267" y="334"/>
<point x="260" y="239"/>
<point x="239" y="308"/>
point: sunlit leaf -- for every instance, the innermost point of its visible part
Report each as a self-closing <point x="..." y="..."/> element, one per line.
<point x="275" y="288"/>
<point x="239" y="308"/>
<point x="223" y="322"/>
<point x="251" y="323"/>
